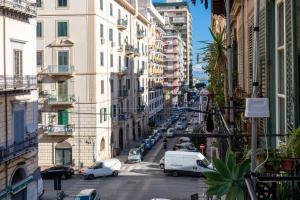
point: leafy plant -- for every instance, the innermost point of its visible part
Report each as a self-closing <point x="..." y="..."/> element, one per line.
<point x="274" y="160"/>
<point x="228" y="179"/>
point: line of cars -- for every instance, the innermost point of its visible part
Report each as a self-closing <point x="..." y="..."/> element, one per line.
<point x="136" y="154"/>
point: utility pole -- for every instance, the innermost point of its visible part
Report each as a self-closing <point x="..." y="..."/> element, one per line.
<point x="254" y="86"/>
<point x="229" y="66"/>
<point x="78" y="132"/>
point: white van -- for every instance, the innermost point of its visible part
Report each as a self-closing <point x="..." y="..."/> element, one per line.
<point x="102" y="168"/>
<point x="186" y="163"/>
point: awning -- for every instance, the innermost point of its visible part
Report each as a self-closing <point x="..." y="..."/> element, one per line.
<point x="21" y="185"/>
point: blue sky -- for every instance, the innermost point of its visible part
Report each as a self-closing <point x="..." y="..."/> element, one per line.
<point x="201" y="23"/>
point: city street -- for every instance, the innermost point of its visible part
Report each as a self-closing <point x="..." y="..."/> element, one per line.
<point x="136" y="181"/>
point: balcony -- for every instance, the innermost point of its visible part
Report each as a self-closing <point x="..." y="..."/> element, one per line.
<point x="141" y="89"/>
<point x="59" y="130"/>
<point x="136" y="52"/>
<point x="140" y="34"/>
<point x="123" y="117"/>
<point x="61" y="100"/>
<point x="123" y="70"/>
<point x="59" y="70"/>
<point x="17" y="149"/>
<point x="122" y="24"/>
<point x="120" y="48"/>
<point x="129" y="49"/>
<point x="15" y="84"/>
<point x="140" y="108"/>
<point x="123" y="93"/>
<point x="141" y="71"/>
<point x="19" y="6"/>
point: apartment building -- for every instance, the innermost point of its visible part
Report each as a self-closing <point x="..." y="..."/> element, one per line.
<point x="156" y="63"/>
<point x="92" y="58"/>
<point x="18" y="101"/>
<point x="174" y="70"/>
<point x="179" y="19"/>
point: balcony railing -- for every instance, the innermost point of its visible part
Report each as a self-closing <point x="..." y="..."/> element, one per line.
<point x="122" y="24"/>
<point x="17" y="149"/>
<point x="140" y="108"/>
<point x="123" y="70"/>
<point x="60" y="69"/>
<point x="129" y="49"/>
<point x="141" y="71"/>
<point x="57" y="130"/>
<point x="61" y="99"/>
<point x="136" y="52"/>
<point x="123" y="93"/>
<point x="140" y="34"/>
<point x="20" y="6"/>
<point x="123" y="117"/>
<point x="141" y="89"/>
<point x="27" y="82"/>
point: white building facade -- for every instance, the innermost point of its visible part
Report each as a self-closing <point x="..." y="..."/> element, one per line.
<point x="92" y="62"/>
<point x="18" y="101"/>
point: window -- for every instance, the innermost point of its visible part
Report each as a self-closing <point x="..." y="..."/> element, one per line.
<point x="18" y="62"/>
<point x="62" y="29"/>
<point x="39" y="58"/>
<point x="39" y="3"/>
<point x="101" y="31"/>
<point x="101" y="59"/>
<point x="105" y="114"/>
<point x="111" y="9"/>
<point x="63" y="58"/>
<point x="114" y="110"/>
<point x="119" y="38"/>
<point x="101" y="115"/>
<point x="111" y="85"/>
<point x="111" y="60"/>
<point x="101" y="4"/>
<point x="128" y="84"/>
<point x="62" y="3"/>
<point x="280" y="69"/>
<point x="111" y="38"/>
<point x="39" y="29"/>
<point x="102" y="86"/>
<point x="63" y="156"/>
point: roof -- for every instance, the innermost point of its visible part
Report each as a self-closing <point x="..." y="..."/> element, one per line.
<point x="167" y="4"/>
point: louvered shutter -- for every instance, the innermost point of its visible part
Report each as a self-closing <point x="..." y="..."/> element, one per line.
<point x="289" y="48"/>
<point x="240" y="58"/>
<point x="250" y="45"/>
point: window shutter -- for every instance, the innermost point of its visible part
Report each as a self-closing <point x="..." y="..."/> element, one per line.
<point x="289" y="48"/>
<point x="250" y="45"/>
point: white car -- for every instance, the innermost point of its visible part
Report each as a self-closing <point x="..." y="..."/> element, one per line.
<point x="170" y="132"/>
<point x="87" y="194"/>
<point x="184" y="139"/>
<point x="180" y="125"/>
<point x="102" y="168"/>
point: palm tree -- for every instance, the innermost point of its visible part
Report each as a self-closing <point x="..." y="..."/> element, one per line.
<point x="215" y="56"/>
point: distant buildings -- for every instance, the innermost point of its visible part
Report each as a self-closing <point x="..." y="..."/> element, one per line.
<point x="18" y="101"/>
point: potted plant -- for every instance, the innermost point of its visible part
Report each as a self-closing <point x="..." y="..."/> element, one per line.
<point x="287" y="163"/>
<point x="228" y="179"/>
<point x="274" y="161"/>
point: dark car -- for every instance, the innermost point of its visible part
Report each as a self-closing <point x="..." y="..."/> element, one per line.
<point x="58" y="171"/>
<point x="148" y="144"/>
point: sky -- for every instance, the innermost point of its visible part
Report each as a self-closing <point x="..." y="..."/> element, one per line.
<point x="201" y="23"/>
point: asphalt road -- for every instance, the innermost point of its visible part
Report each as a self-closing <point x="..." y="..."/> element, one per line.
<point x="140" y="181"/>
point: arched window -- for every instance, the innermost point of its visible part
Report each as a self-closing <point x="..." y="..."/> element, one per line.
<point x="63" y="153"/>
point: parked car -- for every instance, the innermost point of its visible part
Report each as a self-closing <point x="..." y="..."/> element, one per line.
<point x="88" y="194"/>
<point x="162" y="163"/>
<point x="173" y="119"/>
<point x="170" y="132"/>
<point x="142" y="148"/>
<point x="102" y="168"/>
<point x="148" y="144"/>
<point x="134" y="155"/>
<point x="64" y="171"/>
<point x="164" y="126"/>
<point x="180" y="125"/>
<point x="188" y="130"/>
<point x="152" y="140"/>
<point x="157" y="134"/>
<point x="185" y="146"/>
<point x="189" y="163"/>
<point x="183" y="117"/>
<point x="184" y="139"/>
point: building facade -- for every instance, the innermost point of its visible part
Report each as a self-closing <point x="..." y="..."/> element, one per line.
<point x="18" y="101"/>
<point x="92" y="58"/>
<point x="174" y="70"/>
<point x="179" y="19"/>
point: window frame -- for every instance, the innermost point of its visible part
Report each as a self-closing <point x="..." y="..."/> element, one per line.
<point x="57" y="25"/>
<point x="42" y="29"/>
<point x="42" y="59"/>
<point x="62" y="7"/>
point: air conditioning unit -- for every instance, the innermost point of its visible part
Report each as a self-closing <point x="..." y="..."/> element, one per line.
<point x="102" y="40"/>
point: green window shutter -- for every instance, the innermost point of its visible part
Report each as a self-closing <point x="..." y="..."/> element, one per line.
<point x="240" y="58"/>
<point x="62" y="29"/>
<point x="63" y="117"/>
<point x="101" y="4"/>
<point x="290" y="63"/>
<point x="39" y="29"/>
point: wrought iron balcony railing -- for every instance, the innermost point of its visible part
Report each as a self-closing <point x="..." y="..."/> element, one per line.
<point x="140" y="108"/>
<point x="14" y="150"/>
<point x="140" y="34"/>
<point x="123" y="117"/>
<point x="11" y="82"/>
<point x="123" y="70"/>
<point x="141" y="89"/>
<point x="61" y="99"/>
<point x="122" y="24"/>
<point x="123" y="93"/>
<point x="60" y="69"/>
<point x="59" y="130"/>
<point x="20" y="6"/>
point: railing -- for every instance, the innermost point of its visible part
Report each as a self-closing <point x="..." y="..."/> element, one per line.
<point x="123" y="93"/>
<point x="141" y="89"/>
<point x="16" y="149"/>
<point x="140" y="108"/>
<point x="129" y="49"/>
<point x="17" y="82"/>
<point x="123" y="69"/>
<point x="140" y="34"/>
<point x="20" y="6"/>
<point x="61" y="99"/>
<point x="141" y="71"/>
<point x="65" y="69"/>
<point x="122" y="23"/>
<point x="136" y="52"/>
<point x="60" y="129"/>
<point x="123" y="117"/>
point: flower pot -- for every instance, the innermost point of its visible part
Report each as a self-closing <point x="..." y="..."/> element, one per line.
<point x="287" y="164"/>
